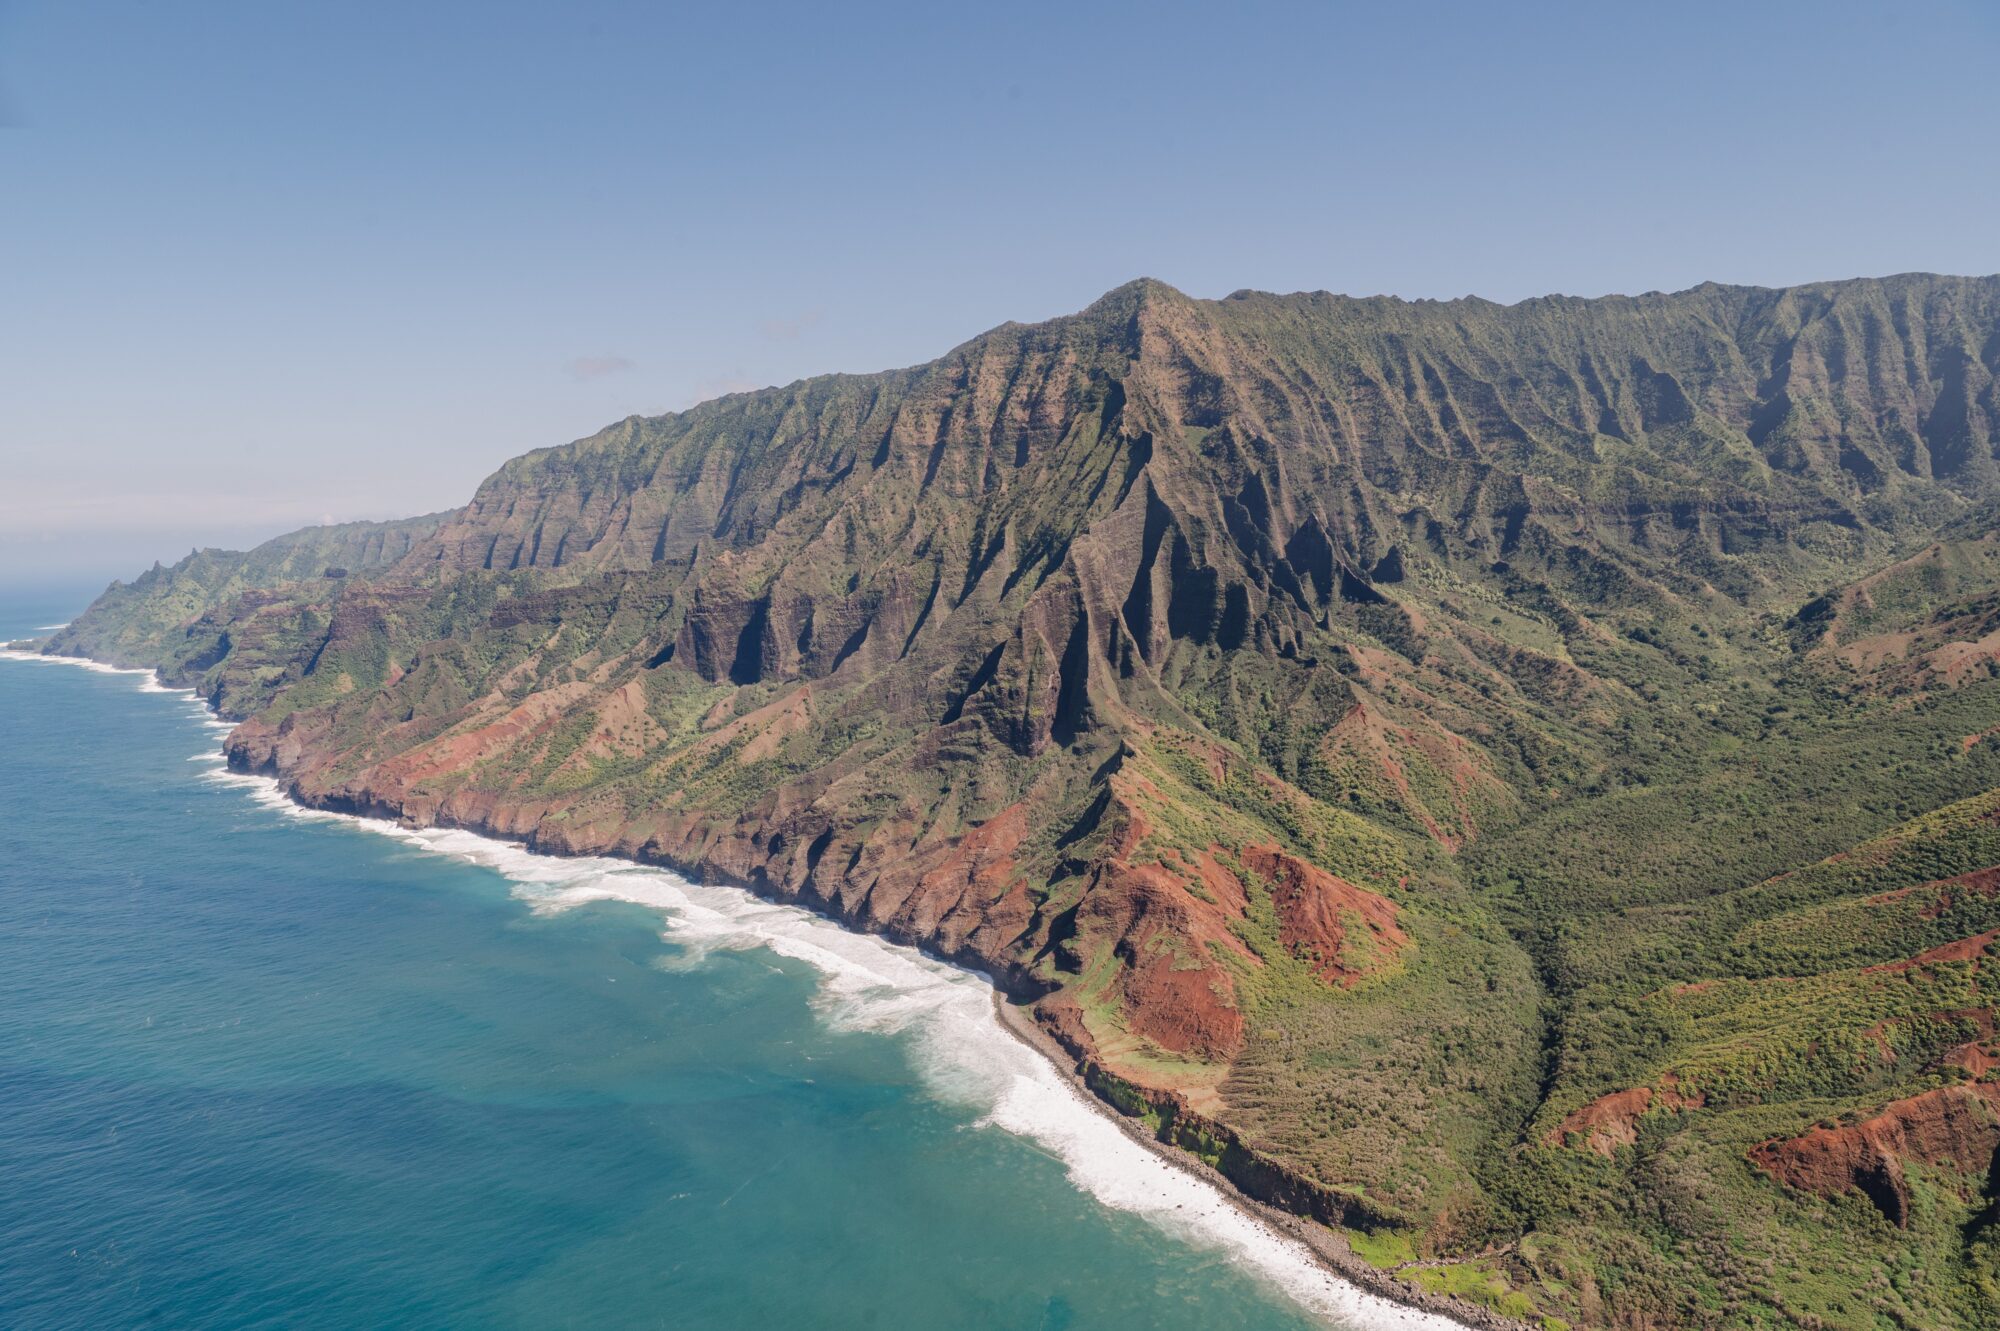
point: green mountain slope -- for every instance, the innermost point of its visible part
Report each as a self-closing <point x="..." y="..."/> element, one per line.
<point x="144" y="622"/>
<point x="1396" y="747"/>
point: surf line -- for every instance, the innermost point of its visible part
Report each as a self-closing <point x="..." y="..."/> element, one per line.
<point x="943" y="1014"/>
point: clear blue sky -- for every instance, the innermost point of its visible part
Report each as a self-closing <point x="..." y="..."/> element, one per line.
<point x="268" y="264"/>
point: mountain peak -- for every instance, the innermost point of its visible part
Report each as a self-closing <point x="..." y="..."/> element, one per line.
<point x="1139" y="293"/>
<point x="1292" y="701"/>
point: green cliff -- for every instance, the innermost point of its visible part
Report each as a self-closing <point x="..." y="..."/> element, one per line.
<point x="1517" y="783"/>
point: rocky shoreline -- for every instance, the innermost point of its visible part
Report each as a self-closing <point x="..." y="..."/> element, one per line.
<point x="1325" y="1244"/>
<point x="1317" y="1209"/>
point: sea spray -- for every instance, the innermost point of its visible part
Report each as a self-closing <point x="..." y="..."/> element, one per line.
<point x="942" y="1014"/>
<point x="945" y="1016"/>
<point x="96" y="667"/>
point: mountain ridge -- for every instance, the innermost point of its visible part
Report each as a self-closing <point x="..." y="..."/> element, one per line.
<point x="1252" y="685"/>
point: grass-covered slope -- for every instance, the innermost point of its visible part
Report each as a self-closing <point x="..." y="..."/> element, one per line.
<point x="1403" y="750"/>
<point x="145" y="621"/>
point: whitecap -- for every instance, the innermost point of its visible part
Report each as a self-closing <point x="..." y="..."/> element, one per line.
<point x="945" y="1017"/>
<point x="97" y="667"/>
<point x="148" y="683"/>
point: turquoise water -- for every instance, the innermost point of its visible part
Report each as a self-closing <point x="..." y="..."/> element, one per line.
<point x="258" y="1070"/>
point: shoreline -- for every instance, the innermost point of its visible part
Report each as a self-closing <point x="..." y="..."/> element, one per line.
<point x="1325" y="1248"/>
<point x="1328" y="1248"/>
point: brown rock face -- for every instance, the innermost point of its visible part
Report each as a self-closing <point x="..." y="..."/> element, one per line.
<point x="1612" y="1121"/>
<point x="1344" y="932"/>
<point x="882" y="643"/>
<point x="1177" y="662"/>
<point x="1954" y="1126"/>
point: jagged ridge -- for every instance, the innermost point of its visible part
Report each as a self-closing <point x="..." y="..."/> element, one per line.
<point x="1219" y="675"/>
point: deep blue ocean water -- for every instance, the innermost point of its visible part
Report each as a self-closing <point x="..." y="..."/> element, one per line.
<point x="259" y="1070"/>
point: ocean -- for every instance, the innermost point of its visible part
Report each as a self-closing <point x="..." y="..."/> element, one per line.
<point x="261" y="1067"/>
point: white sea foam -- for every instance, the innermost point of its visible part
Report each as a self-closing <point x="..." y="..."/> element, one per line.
<point x="943" y="1014"/>
<point x="149" y="682"/>
<point x="945" y="1017"/>
<point x="11" y="654"/>
<point x="50" y="628"/>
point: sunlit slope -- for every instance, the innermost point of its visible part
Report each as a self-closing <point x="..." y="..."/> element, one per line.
<point x="1390" y="744"/>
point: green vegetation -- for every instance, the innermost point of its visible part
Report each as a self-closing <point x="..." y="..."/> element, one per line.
<point x="1385" y="1248"/>
<point x="1474" y="1282"/>
<point x="1510" y="772"/>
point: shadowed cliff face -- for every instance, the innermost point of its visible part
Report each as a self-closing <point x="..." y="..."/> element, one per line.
<point x="1230" y="679"/>
<point x="1955" y="1126"/>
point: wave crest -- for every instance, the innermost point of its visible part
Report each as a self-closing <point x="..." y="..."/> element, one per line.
<point x="944" y="1015"/>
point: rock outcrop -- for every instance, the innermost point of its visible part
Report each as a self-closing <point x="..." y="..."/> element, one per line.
<point x="1954" y="1126"/>
<point x="1179" y="663"/>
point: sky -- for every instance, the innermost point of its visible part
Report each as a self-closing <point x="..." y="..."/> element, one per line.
<point x="268" y="265"/>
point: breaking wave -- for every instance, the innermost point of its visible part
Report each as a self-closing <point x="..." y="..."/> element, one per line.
<point x="943" y="1014"/>
<point x="13" y="654"/>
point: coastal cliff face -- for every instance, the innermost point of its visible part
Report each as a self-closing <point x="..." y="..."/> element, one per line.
<point x="1457" y="762"/>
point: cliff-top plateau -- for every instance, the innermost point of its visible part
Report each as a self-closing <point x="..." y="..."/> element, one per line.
<point x="1519" y="785"/>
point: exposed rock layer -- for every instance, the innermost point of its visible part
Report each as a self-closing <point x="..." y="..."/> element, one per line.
<point x="1171" y="662"/>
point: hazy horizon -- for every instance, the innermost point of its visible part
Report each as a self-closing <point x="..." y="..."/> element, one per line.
<point x="272" y="291"/>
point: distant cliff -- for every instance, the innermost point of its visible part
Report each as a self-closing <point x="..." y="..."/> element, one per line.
<point x="145" y="622"/>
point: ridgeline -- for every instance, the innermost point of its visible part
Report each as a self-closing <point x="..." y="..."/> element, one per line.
<point x="1519" y="784"/>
